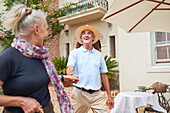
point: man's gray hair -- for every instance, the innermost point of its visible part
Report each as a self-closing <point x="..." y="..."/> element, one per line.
<point x="90" y="31"/>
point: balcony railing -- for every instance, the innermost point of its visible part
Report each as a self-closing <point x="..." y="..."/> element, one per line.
<point x="83" y="5"/>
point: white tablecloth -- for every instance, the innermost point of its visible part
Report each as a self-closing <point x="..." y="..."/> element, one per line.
<point x="127" y="102"/>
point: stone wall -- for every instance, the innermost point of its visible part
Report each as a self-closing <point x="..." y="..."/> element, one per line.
<point x="53" y="44"/>
<point x="53" y="47"/>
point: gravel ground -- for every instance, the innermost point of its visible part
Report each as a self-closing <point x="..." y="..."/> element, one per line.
<point x="54" y="98"/>
<point x="69" y="90"/>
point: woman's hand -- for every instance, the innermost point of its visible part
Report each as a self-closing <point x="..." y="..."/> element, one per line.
<point x="29" y="105"/>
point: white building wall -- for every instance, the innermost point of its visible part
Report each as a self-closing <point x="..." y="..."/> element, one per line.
<point x="70" y="38"/>
<point x="132" y="54"/>
<point x="1" y="5"/>
<point x="1" y="8"/>
<point x="133" y="60"/>
<point x="103" y="27"/>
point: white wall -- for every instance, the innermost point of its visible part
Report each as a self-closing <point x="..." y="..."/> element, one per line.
<point x="1" y="4"/>
<point x="132" y="54"/>
<point x="101" y="26"/>
<point x="133" y="58"/>
<point x="1" y="8"/>
<point x="110" y="2"/>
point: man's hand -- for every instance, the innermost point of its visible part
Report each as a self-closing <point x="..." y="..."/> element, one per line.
<point x="71" y="78"/>
<point x="111" y="103"/>
<point x="69" y="70"/>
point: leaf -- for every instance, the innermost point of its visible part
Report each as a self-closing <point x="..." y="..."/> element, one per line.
<point x="111" y="64"/>
<point x="53" y="14"/>
<point x="60" y="64"/>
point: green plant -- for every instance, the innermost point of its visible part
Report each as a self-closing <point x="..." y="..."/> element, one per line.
<point x="60" y="64"/>
<point x="111" y="64"/>
<point x="54" y="25"/>
<point x="7" y="39"/>
<point x="52" y="19"/>
<point x="1" y="91"/>
<point x="29" y="3"/>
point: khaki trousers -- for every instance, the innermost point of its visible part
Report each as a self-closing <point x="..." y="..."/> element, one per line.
<point x="82" y="101"/>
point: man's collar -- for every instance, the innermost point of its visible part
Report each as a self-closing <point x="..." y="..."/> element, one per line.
<point x="85" y="50"/>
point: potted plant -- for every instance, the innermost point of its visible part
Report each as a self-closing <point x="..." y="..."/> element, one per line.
<point x="111" y="64"/>
<point x="60" y="65"/>
<point x="141" y="88"/>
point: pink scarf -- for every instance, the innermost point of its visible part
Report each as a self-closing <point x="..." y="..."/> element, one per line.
<point x="42" y="53"/>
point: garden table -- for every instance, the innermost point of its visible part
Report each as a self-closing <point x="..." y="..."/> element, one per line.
<point x="128" y="102"/>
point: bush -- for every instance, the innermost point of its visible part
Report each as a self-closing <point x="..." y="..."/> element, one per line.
<point x="60" y="64"/>
<point x="111" y="64"/>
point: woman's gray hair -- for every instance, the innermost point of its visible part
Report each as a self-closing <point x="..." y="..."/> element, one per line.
<point x="20" y="19"/>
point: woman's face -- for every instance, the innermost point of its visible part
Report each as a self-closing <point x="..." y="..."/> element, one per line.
<point x="43" y="32"/>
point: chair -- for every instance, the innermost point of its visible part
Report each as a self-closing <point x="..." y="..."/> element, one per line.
<point x="163" y="102"/>
<point x="150" y="109"/>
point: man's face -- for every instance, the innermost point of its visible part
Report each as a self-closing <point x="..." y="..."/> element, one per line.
<point x="87" y="37"/>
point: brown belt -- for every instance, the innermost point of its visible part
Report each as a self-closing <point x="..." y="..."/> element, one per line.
<point x="89" y="91"/>
<point x="47" y="109"/>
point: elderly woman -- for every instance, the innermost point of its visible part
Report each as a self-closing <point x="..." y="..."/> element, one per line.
<point x="25" y="70"/>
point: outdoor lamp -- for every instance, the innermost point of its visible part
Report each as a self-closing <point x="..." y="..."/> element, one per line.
<point x="66" y="32"/>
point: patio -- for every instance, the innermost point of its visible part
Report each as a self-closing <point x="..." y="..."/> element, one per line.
<point x="68" y="90"/>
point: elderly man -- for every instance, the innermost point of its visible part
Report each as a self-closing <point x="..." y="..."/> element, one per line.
<point x="89" y="64"/>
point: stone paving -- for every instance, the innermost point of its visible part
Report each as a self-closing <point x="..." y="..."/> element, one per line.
<point x="69" y="90"/>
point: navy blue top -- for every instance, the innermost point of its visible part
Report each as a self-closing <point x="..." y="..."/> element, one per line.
<point x="23" y="76"/>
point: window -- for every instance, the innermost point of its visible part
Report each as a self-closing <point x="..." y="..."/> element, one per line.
<point x="67" y="49"/>
<point x="161" y="48"/>
<point x="112" y="47"/>
<point x="158" y="49"/>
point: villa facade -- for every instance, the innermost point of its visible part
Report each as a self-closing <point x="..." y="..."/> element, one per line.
<point x="143" y="57"/>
